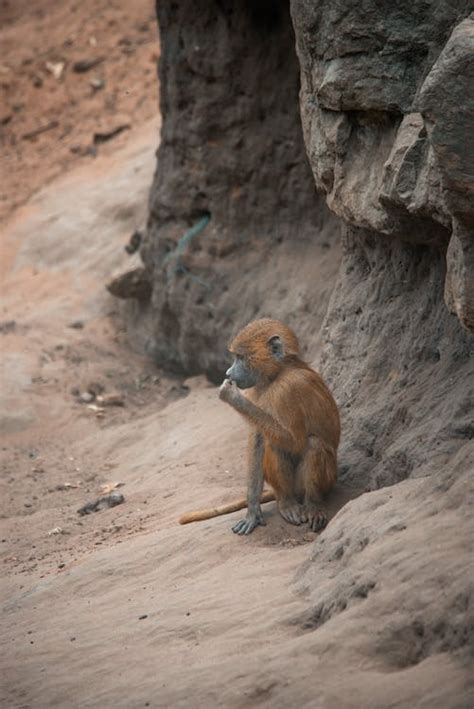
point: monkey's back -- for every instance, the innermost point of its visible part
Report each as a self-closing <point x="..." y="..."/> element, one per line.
<point x="301" y="402"/>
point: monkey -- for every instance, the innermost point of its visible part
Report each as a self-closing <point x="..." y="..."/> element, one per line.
<point x="294" y="427"/>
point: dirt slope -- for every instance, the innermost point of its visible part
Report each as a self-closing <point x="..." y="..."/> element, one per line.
<point x="229" y="622"/>
<point x="125" y="607"/>
<point x="68" y="72"/>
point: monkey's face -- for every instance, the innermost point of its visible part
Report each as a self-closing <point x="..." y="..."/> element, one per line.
<point x="241" y="374"/>
<point x="261" y="350"/>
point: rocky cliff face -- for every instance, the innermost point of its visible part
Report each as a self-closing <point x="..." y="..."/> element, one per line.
<point x="386" y="104"/>
<point x="387" y="134"/>
<point x="236" y="226"/>
<point x="236" y="231"/>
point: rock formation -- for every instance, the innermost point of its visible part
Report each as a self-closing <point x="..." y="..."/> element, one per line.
<point x="387" y="107"/>
<point x="231" y="155"/>
<point x="237" y="231"/>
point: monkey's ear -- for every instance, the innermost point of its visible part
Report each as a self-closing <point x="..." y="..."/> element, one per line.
<point x="276" y="347"/>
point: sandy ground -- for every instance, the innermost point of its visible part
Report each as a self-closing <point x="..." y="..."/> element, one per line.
<point x="124" y="607"/>
<point x="173" y="445"/>
<point x="182" y="598"/>
<point x="70" y="75"/>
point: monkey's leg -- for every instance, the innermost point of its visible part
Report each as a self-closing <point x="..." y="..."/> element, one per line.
<point x="280" y="470"/>
<point x="319" y="472"/>
<point x="254" y="515"/>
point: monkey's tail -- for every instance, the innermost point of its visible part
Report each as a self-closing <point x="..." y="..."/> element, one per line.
<point x="200" y="515"/>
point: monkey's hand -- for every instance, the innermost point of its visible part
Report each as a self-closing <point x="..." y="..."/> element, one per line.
<point x="253" y="519"/>
<point x="230" y="393"/>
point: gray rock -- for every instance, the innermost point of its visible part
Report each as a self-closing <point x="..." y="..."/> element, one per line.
<point x="86" y="397"/>
<point x="232" y="149"/>
<point x="131" y="284"/>
<point x="459" y="286"/>
<point x="447" y="103"/>
<point x="102" y="503"/>
<point x="387" y="118"/>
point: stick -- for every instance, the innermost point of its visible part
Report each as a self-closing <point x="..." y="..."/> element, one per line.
<point x="200" y="515"/>
<point x="38" y="131"/>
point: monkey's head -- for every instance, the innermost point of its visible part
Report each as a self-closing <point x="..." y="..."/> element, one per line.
<point x="260" y="351"/>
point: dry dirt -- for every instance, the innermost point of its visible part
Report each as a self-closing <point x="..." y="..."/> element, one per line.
<point x="124" y="607"/>
<point x="101" y="573"/>
<point x="61" y="338"/>
<point x="47" y="121"/>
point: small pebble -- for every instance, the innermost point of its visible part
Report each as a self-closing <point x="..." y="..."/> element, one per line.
<point x="86" y="397"/>
<point x="97" y="83"/>
<point x="142" y="617"/>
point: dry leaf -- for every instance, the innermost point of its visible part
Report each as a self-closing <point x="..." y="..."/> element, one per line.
<point x="107" y="488"/>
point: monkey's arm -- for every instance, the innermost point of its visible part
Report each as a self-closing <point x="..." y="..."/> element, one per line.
<point x="265" y="423"/>
<point x="254" y="515"/>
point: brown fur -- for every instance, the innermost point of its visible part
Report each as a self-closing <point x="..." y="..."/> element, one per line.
<point x="252" y="343"/>
<point x="300" y="401"/>
<point x="295" y="413"/>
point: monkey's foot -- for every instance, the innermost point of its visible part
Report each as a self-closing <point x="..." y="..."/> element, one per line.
<point x="247" y="525"/>
<point x="292" y="512"/>
<point x="317" y="519"/>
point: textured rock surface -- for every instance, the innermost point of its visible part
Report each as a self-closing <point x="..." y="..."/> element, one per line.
<point x="232" y="149"/>
<point x="236" y="231"/>
<point x="401" y="365"/>
<point x="387" y="103"/>
<point x="131" y="284"/>
<point x="411" y="584"/>
<point x="386" y="106"/>
<point x="447" y="103"/>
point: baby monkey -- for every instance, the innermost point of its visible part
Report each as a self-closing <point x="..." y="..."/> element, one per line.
<point x="294" y="422"/>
